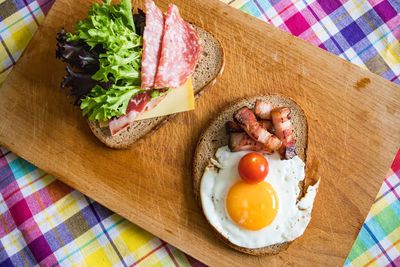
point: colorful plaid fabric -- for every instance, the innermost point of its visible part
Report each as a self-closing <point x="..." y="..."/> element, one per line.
<point x="44" y="221"/>
<point x="363" y="32"/>
<point x="19" y="20"/>
<point x="378" y="243"/>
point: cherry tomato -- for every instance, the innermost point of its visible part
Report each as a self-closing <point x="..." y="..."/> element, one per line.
<point x="253" y="168"/>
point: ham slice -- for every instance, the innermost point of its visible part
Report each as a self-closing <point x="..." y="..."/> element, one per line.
<point x="152" y="38"/>
<point x="181" y="48"/>
<point x="137" y="105"/>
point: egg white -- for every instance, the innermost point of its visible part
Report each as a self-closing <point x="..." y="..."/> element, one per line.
<point x="284" y="175"/>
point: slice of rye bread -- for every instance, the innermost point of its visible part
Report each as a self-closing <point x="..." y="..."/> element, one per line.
<point x="208" y="69"/>
<point x="215" y="136"/>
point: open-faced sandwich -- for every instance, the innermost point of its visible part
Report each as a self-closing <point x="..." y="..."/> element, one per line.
<point x="132" y="69"/>
<point x="249" y="174"/>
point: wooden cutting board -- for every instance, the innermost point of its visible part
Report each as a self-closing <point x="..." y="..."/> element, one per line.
<point x="353" y="120"/>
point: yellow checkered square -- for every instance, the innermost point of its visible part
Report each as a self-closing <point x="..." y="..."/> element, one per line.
<point x="379" y="206"/>
<point x="21" y="38"/>
<point x="98" y="258"/>
<point x="66" y="207"/>
<point x="394" y="236"/>
<point x="142" y="251"/>
<point x="81" y="264"/>
<point x="85" y="242"/>
<point x="151" y="260"/>
<point x="3" y="55"/>
<point x="362" y="259"/>
<point x="14" y="21"/>
<point x="111" y="254"/>
<point x="121" y="246"/>
<point x="135" y="238"/>
<point x="390" y="54"/>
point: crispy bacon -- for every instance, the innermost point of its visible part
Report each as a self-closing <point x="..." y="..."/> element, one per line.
<point x="267" y="125"/>
<point x="263" y="109"/>
<point x="283" y="129"/>
<point x="233" y="127"/>
<point x="247" y="120"/>
<point x="241" y="141"/>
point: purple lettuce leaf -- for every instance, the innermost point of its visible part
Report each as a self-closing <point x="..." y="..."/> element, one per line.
<point x="77" y="54"/>
<point x="85" y="60"/>
<point x="80" y="84"/>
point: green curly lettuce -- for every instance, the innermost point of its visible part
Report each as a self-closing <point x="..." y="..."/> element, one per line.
<point x="103" y="104"/>
<point x="119" y="67"/>
<point x="112" y="29"/>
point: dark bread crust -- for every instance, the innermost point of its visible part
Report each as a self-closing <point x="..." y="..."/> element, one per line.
<point x="214" y="136"/>
<point x="208" y="69"/>
<point x="131" y="135"/>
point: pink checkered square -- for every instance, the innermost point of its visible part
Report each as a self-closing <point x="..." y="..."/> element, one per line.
<point x="39" y="201"/>
<point x="7" y="224"/>
<point x="286" y="8"/>
<point x="308" y="35"/>
<point x="297" y="24"/>
<point x="30" y="230"/>
<point x="14" y="196"/>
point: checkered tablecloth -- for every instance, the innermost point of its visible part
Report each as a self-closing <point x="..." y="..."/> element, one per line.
<point x="46" y="222"/>
<point x="378" y="243"/>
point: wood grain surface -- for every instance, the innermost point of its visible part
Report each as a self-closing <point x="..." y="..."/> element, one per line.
<point x="353" y="118"/>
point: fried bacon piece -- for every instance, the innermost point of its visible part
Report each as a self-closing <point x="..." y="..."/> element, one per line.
<point x="233" y="127"/>
<point x="247" y="120"/>
<point x="267" y="125"/>
<point x="263" y="109"/>
<point x="283" y="129"/>
<point x="241" y="141"/>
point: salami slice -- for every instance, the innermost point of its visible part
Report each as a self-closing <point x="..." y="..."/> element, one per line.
<point x="136" y="106"/>
<point x="181" y="48"/>
<point x="152" y="37"/>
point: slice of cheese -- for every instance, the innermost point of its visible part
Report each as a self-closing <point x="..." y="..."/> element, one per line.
<point x="177" y="100"/>
<point x="103" y="124"/>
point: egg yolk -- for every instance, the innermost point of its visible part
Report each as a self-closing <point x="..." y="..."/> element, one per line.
<point x="252" y="206"/>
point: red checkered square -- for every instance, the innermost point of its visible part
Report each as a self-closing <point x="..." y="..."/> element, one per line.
<point x="297" y="24"/>
<point x="20" y="212"/>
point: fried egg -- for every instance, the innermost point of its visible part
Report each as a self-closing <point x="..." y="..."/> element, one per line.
<point x="256" y="215"/>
